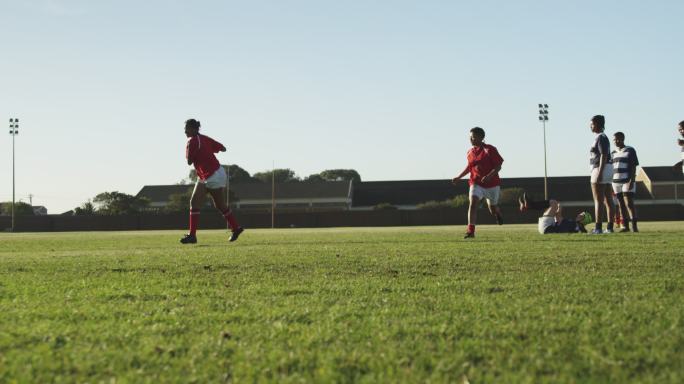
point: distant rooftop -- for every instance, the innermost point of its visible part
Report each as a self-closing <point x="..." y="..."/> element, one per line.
<point x="663" y="174"/>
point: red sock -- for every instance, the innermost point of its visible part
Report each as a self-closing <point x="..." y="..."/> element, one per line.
<point x="230" y="219"/>
<point x="194" y="220"/>
<point x="471" y="228"/>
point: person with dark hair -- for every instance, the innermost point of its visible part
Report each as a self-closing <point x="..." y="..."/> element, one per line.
<point x="625" y="162"/>
<point x="484" y="164"/>
<point x="552" y="220"/>
<point x="211" y="178"/>
<point x="601" y="174"/>
<point x="680" y="141"/>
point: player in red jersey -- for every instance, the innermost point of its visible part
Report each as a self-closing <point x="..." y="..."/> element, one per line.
<point x="211" y="177"/>
<point x="484" y="164"/>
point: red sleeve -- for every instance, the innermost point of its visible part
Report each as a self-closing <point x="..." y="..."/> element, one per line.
<point x="216" y="146"/>
<point x="497" y="160"/>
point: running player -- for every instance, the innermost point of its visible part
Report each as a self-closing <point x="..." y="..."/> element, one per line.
<point x="211" y="178"/>
<point x="484" y="164"/>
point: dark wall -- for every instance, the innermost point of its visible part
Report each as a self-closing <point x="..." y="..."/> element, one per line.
<point x="212" y="220"/>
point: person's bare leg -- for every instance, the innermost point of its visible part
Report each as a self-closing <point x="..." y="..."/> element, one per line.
<point x="629" y="202"/>
<point x="472" y="215"/>
<point x="219" y="197"/>
<point x="552" y="210"/>
<point x="608" y="203"/>
<point x="195" y="204"/>
<point x="597" y="194"/>
<point x="197" y="198"/>
<point x="495" y="211"/>
<point x="621" y="209"/>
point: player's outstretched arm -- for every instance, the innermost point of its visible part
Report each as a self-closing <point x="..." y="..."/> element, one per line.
<point x="456" y="179"/>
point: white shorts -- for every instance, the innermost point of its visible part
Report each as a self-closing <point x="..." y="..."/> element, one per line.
<point x="623" y="188"/>
<point x="545" y="222"/>
<point x="217" y="180"/>
<point x="606" y="178"/>
<point x="491" y="194"/>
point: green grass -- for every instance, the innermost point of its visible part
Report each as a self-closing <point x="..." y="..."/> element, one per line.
<point x="344" y="305"/>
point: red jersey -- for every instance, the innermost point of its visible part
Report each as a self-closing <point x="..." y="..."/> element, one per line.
<point x="481" y="161"/>
<point x="200" y="151"/>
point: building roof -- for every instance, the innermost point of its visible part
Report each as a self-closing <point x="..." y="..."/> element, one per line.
<point x="294" y="190"/>
<point x="162" y="192"/>
<point x="259" y="191"/>
<point x="663" y="174"/>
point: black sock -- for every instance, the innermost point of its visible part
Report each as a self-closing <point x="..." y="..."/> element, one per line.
<point x="598" y="226"/>
<point x="609" y="226"/>
<point x="625" y="223"/>
<point x="634" y="224"/>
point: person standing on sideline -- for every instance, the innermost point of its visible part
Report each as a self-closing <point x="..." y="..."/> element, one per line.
<point x="211" y="177"/>
<point x="484" y="164"/>
<point x="601" y="174"/>
<point x="680" y="141"/>
<point x="625" y="162"/>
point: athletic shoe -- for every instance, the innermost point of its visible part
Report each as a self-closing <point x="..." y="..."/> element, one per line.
<point x="623" y="230"/>
<point x="596" y="232"/>
<point x="635" y="230"/>
<point x="499" y="219"/>
<point x="608" y="231"/>
<point x="469" y="235"/>
<point x="188" y="239"/>
<point x="236" y="233"/>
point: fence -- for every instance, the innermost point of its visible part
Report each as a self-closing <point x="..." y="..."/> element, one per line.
<point x="379" y="218"/>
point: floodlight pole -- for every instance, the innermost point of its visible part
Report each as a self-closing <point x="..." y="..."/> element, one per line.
<point x="273" y="196"/>
<point x="544" y="117"/>
<point x="14" y="130"/>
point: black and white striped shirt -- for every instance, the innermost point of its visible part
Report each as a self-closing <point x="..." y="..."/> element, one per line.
<point x="624" y="164"/>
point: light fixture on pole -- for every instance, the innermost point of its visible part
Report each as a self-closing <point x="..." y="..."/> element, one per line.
<point x="544" y="117"/>
<point x="14" y="130"/>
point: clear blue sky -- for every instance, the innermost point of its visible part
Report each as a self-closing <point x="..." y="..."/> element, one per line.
<point x="389" y="88"/>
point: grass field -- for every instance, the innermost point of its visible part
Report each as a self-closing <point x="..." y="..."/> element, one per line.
<point x="344" y="305"/>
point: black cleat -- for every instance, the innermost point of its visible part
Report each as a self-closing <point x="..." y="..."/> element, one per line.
<point x="236" y="233"/>
<point x="499" y="219"/>
<point x="188" y="239"/>
<point x="469" y="235"/>
<point x="623" y="230"/>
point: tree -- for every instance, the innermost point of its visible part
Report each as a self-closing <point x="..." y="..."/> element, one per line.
<point x="341" y="175"/>
<point x="283" y="175"/>
<point x="315" y="178"/>
<point x="509" y="196"/>
<point x="455" y="202"/>
<point x="384" y="207"/>
<point x="86" y="208"/>
<point x="117" y="203"/>
<point x="20" y="209"/>
<point x="179" y="202"/>
<point x="238" y="174"/>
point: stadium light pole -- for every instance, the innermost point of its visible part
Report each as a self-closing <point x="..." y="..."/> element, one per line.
<point x="544" y="117"/>
<point x="273" y="196"/>
<point x="14" y="130"/>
